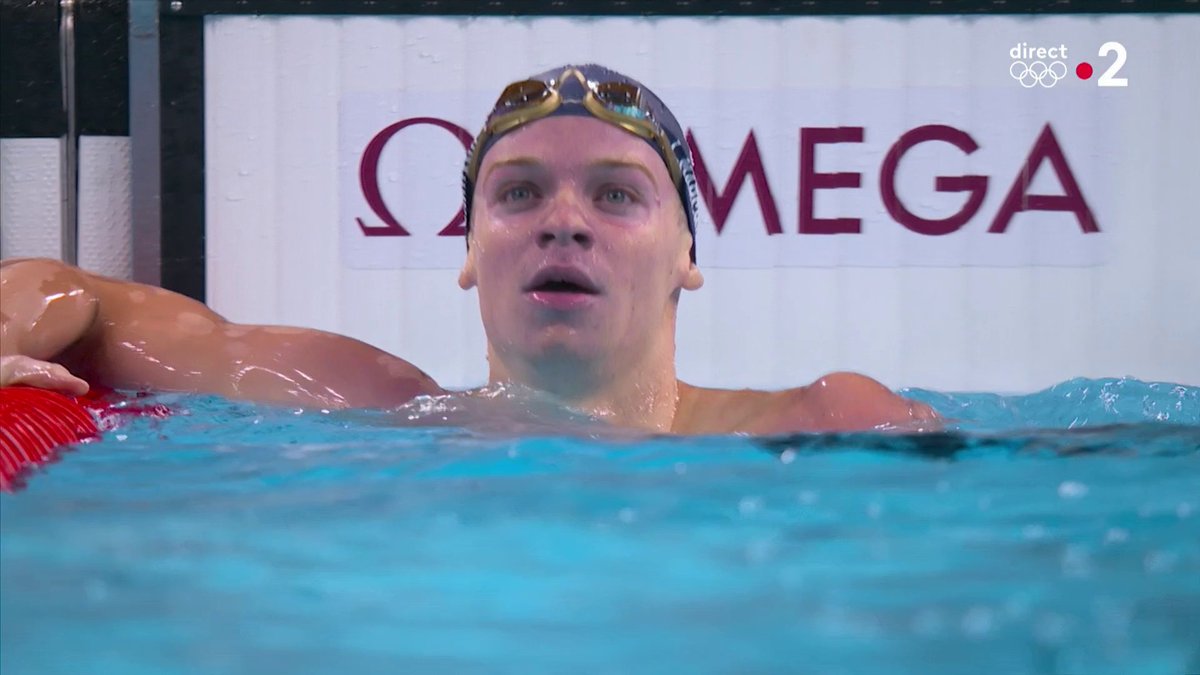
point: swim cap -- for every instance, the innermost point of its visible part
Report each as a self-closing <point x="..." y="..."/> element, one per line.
<point x="643" y="109"/>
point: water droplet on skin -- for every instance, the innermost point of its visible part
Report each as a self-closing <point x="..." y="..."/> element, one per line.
<point x="194" y="324"/>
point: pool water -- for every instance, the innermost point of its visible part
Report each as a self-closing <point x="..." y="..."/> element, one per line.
<point x="1052" y="533"/>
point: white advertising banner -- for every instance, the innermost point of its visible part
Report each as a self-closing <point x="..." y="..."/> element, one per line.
<point x="959" y="202"/>
<point x="1014" y="169"/>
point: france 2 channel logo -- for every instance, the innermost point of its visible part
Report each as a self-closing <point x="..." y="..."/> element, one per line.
<point x="1045" y="66"/>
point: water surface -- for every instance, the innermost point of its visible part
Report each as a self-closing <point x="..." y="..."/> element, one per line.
<point x="1051" y="533"/>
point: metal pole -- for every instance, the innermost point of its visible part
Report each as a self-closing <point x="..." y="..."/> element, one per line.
<point x="69" y="157"/>
<point x="144" y="140"/>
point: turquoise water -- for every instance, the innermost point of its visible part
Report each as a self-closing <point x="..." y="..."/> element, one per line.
<point x="1052" y="533"/>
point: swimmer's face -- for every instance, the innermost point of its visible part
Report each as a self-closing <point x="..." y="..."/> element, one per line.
<point x="579" y="245"/>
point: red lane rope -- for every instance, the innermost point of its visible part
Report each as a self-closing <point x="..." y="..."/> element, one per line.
<point x="35" y="424"/>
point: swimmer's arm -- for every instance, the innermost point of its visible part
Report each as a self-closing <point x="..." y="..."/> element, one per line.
<point x="45" y="307"/>
<point x="128" y="335"/>
<point x="43" y="310"/>
<point x="844" y="402"/>
<point x="196" y="352"/>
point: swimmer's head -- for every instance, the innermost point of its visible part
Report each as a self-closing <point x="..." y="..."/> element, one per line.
<point x="580" y="243"/>
<point x="595" y="91"/>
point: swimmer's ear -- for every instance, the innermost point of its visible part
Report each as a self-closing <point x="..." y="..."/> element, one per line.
<point x="692" y="278"/>
<point x="466" y="277"/>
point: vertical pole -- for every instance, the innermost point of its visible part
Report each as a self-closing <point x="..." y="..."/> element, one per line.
<point x="69" y="156"/>
<point x="145" y="140"/>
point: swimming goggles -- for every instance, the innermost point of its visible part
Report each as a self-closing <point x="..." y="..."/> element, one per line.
<point x="619" y="103"/>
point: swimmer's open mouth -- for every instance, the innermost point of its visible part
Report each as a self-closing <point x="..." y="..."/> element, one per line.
<point x="561" y="287"/>
<point x="562" y="280"/>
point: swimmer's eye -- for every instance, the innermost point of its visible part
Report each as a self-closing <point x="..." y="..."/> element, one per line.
<point x="517" y="193"/>
<point x="617" y="197"/>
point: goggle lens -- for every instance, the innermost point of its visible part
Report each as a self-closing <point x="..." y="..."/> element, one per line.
<point x="521" y="94"/>
<point x="622" y="98"/>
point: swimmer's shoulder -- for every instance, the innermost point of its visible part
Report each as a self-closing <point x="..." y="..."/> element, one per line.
<point x="708" y="410"/>
<point x="841" y="401"/>
<point x="368" y="376"/>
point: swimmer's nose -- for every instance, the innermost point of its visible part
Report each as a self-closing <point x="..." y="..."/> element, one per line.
<point x="565" y="225"/>
<point x="565" y="235"/>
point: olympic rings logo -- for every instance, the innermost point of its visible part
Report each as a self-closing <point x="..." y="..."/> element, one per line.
<point x="1037" y="73"/>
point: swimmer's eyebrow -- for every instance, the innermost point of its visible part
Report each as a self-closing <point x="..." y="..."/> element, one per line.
<point x="504" y="163"/>
<point x="608" y="164"/>
<point x="624" y="164"/>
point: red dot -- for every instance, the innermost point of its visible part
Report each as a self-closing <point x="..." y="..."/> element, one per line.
<point x="1084" y="70"/>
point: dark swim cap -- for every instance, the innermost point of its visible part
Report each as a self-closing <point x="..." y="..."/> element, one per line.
<point x="648" y="107"/>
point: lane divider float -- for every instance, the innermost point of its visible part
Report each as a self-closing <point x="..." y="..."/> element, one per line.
<point x="36" y="424"/>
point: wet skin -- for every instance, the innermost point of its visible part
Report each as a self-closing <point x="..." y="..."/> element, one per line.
<point x="579" y="251"/>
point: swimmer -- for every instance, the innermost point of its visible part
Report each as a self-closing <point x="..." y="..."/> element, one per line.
<point x="580" y="203"/>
